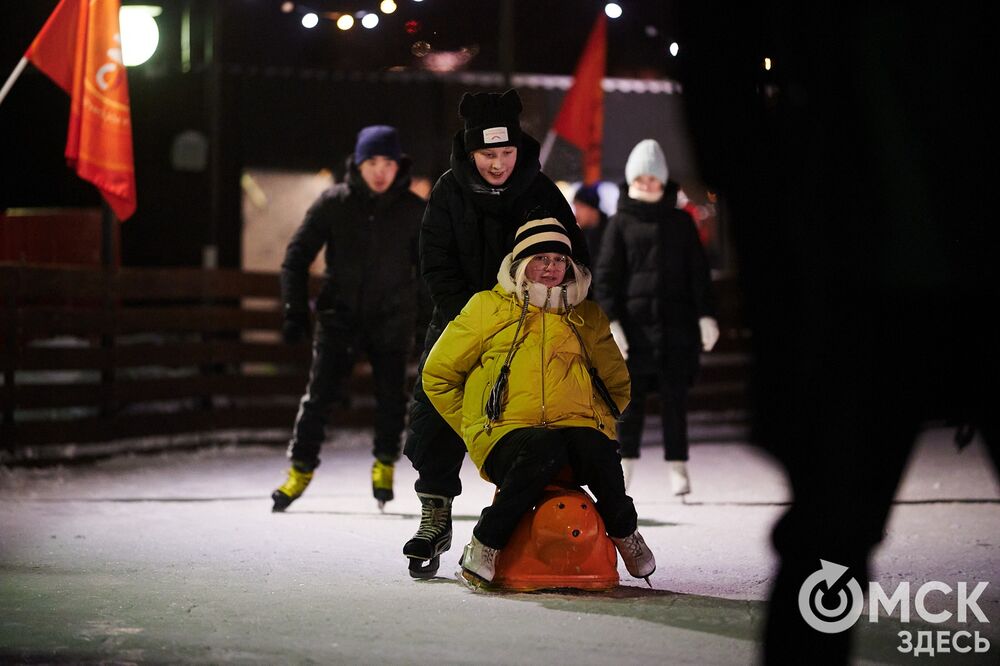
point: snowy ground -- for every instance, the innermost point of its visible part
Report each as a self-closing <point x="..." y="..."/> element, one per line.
<point x="176" y="558"/>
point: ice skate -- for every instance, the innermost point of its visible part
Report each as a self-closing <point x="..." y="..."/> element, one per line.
<point x="636" y="555"/>
<point x="679" y="481"/>
<point x="382" y="482"/>
<point x="292" y="489"/>
<point x="433" y="537"/>
<point x="478" y="562"/>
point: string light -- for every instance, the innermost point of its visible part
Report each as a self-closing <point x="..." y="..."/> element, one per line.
<point x="370" y="20"/>
<point x="344" y="21"/>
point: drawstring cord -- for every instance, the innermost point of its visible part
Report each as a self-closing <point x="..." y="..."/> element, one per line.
<point x="494" y="404"/>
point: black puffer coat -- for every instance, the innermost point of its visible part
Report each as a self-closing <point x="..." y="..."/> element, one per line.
<point x="371" y="256"/>
<point x="652" y="275"/>
<point x="468" y="227"/>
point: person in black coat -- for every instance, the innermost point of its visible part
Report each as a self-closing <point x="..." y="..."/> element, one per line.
<point x="369" y="226"/>
<point x="495" y="184"/>
<point x="592" y="220"/>
<point x="854" y="171"/>
<point x="653" y="280"/>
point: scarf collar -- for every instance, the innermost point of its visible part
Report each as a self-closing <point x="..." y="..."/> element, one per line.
<point x="547" y="298"/>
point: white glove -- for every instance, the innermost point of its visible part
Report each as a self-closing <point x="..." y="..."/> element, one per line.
<point x="618" y="333"/>
<point x="709" y="332"/>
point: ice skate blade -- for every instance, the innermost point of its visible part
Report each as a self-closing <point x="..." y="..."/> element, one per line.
<point x="472" y="581"/>
<point x="424" y="568"/>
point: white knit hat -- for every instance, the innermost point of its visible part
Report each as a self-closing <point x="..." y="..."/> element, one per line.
<point x="646" y="159"/>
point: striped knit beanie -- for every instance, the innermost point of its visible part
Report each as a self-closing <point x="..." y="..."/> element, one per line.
<point x="538" y="236"/>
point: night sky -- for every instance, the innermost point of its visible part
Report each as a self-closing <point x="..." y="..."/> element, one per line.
<point x="547" y="35"/>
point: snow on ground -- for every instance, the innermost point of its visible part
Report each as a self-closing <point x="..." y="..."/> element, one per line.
<point x="176" y="557"/>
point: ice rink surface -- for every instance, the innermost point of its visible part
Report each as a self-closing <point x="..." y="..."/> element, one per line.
<point x="176" y="558"/>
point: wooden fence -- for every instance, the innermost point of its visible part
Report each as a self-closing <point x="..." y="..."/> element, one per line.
<point x="92" y="356"/>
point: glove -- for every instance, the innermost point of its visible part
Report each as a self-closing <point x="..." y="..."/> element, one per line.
<point x="295" y="328"/>
<point x="618" y="333"/>
<point x="709" y="332"/>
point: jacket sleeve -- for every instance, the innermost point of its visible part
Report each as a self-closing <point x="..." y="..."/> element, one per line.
<point x="610" y="272"/>
<point x="439" y="258"/>
<point x="701" y="275"/>
<point x="608" y="361"/>
<point x="306" y="243"/>
<point x="450" y="360"/>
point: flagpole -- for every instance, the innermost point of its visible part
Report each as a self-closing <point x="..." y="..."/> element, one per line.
<point x="13" y="77"/>
<point x="543" y="155"/>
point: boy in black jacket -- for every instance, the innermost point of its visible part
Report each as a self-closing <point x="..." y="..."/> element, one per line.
<point x="495" y="183"/>
<point x="369" y="226"/>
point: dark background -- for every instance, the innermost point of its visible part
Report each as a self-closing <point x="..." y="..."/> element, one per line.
<point x="267" y="93"/>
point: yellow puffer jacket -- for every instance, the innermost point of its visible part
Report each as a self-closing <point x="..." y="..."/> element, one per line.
<point x="549" y="384"/>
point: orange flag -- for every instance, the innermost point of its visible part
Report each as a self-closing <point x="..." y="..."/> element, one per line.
<point x="581" y="117"/>
<point x="79" y="48"/>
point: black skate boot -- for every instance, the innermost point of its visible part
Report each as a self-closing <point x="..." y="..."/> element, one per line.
<point x="433" y="537"/>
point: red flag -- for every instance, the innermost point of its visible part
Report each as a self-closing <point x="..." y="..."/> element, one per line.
<point x="79" y="48"/>
<point x="581" y="117"/>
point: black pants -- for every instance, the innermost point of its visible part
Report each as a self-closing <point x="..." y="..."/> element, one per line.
<point x="435" y="450"/>
<point x="335" y="351"/>
<point x="525" y="461"/>
<point x="673" y="413"/>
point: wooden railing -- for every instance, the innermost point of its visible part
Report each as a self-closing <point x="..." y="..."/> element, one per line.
<point x="91" y="356"/>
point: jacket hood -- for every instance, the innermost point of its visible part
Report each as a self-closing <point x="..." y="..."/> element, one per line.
<point x="525" y="170"/>
<point x="539" y="295"/>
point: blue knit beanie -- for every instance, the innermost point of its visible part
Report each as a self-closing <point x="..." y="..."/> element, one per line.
<point x="589" y="195"/>
<point x="377" y="140"/>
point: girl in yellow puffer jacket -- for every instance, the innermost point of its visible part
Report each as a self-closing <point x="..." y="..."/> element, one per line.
<point x="531" y="378"/>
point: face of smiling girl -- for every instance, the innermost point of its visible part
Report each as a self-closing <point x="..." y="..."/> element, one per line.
<point x="495" y="165"/>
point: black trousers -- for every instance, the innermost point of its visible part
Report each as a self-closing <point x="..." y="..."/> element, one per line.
<point x="673" y="413"/>
<point x="335" y="351"/>
<point x="435" y="450"/>
<point x="525" y="461"/>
